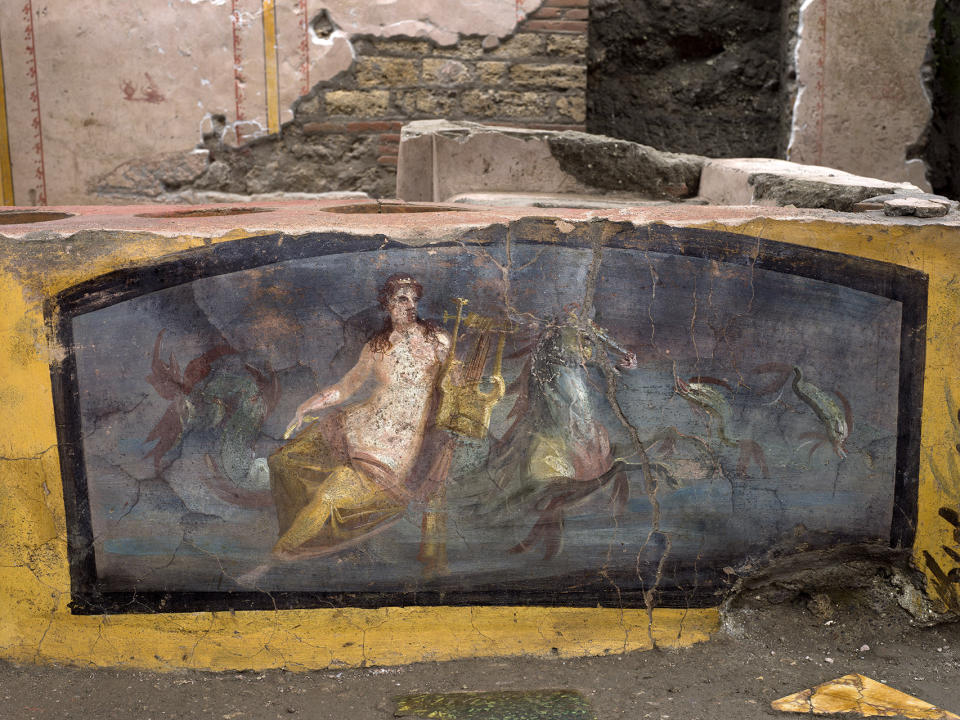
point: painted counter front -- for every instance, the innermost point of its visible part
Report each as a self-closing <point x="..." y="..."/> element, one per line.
<point x="317" y="436"/>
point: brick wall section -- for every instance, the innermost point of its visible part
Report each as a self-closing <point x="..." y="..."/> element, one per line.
<point x="535" y="78"/>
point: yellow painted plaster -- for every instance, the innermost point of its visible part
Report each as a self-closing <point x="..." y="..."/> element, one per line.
<point x="36" y="624"/>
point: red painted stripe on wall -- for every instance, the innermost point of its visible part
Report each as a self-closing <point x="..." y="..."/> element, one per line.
<point x="238" y="79"/>
<point x="821" y="70"/>
<point x="39" y="193"/>
<point x="304" y="49"/>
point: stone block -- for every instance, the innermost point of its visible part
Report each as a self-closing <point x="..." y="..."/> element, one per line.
<point x="433" y="102"/>
<point x="404" y="46"/>
<point x="763" y="181"/>
<point x="357" y="103"/>
<point x="507" y="104"/>
<point x="467" y="157"/>
<point x="467" y="48"/>
<point x="386" y="72"/>
<point x="445" y="72"/>
<point x="914" y="207"/>
<point x="491" y="72"/>
<point x="521" y="45"/>
<point x="552" y="76"/>
<point x="572" y="46"/>
<point x="573" y="107"/>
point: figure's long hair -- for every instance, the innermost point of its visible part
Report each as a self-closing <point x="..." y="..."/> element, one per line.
<point x="380" y="342"/>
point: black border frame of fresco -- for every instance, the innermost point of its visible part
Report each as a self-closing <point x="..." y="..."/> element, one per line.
<point x="894" y="282"/>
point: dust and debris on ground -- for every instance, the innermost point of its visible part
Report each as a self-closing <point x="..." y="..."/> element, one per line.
<point x="774" y="641"/>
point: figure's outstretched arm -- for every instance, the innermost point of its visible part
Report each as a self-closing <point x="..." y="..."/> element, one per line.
<point x="336" y="393"/>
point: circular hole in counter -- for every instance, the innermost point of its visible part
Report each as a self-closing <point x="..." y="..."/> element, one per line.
<point x="389" y="208"/>
<point x="22" y="217"/>
<point x="204" y="212"/>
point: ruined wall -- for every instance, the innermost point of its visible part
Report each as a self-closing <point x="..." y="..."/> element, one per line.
<point x="703" y="76"/>
<point x="817" y="82"/>
<point x="345" y="132"/>
<point x="106" y="99"/>
<point x="942" y="151"/>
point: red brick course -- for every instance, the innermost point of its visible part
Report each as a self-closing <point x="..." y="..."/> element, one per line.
<point x="548" y="13"/>
<point x="567" y="3"/>
<point x="557" y="26"/>
<point x="377" y="126"/>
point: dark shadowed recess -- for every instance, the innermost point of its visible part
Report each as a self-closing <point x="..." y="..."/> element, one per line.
<point x="695" y="76"/>
<point x="942" y="152"/>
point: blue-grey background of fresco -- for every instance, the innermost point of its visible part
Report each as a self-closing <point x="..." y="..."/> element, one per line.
<point x="199" y="516"/>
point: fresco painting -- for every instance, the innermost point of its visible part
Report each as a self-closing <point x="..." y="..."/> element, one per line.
<point x="506" y="423"/>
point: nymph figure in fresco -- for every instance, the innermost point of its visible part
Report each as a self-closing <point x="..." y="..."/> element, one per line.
<point x="351" y="473"/>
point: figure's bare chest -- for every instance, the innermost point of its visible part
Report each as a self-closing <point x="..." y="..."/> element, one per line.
<point x="411" y="360"/>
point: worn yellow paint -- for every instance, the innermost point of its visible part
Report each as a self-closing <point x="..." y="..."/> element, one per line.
<point x="36" y="624"/>
<point x="6" y="167"/>
<point x="271" y="64"/>
<point x="858" y="694"/>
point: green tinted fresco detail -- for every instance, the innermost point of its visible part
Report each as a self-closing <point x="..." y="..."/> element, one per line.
<point x="516" y="705"/>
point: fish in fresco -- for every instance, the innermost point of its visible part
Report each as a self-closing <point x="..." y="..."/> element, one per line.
<point x="837" y="422"/>
<point x="704" y="392"/>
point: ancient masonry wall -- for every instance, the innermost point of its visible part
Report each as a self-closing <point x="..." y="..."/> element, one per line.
<point x="535" y="78"/>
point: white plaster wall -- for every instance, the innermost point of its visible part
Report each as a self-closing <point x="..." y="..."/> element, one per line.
<point x="861" y="98"/>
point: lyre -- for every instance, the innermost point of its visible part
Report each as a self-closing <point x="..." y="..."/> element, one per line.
<point x="465" y="409"/>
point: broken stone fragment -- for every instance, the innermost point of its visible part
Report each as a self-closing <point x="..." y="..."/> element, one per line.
<point x="765" y="181"/>
<point x="859" y="695"/>
<point x="620" y="165"/>
<point x="914" y="206"/>
<point x="876" y="203"/>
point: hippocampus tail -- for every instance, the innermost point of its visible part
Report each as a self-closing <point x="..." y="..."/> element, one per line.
<point x="198" y="368"/>
<point x="751" y="452"/>
<point x="712" y="381"/>
<point x="667" y="442"/>
<point x="820" y="437"/>
<point x="847" y="410"/>
<point x="620" y="494"/>
<point x="165" y="377"/>
<point x="167" y="433"/>
<point x="783" y="373"/>
<point x="722" y="434"/>
<point x="548" y="529"/>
